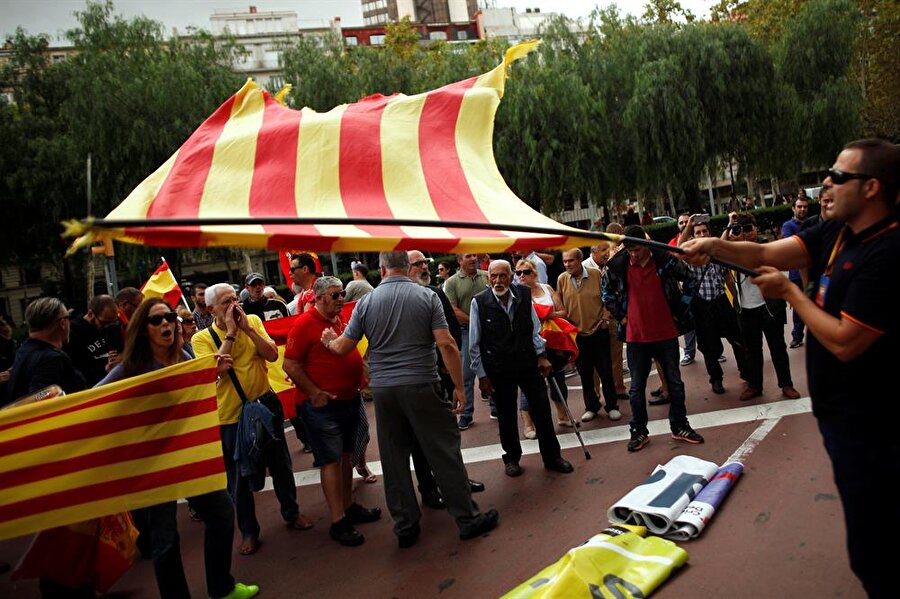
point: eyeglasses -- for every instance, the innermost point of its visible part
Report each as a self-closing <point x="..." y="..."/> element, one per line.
<point x="338" y="294"/>
<point x="419" y="263"/>
<point x="524" y="272"/>
<point x="740" y="229"/>
<point x="157" y="319"/>
<point x="187" y="321"/>
<point x="839" y="177"/>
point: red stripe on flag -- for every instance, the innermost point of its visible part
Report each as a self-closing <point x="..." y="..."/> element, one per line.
<point x="361" y="180"/>
<point x="168" y="384"/>
<point x="107" y="426"/>
<point x="447" y="185"/>
<point x="106" y="457"/>
<point x="181" y="192"/>
<point x="110" y="489"/>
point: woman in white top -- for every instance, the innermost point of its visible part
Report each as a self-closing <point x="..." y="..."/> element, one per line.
<point x="759" y="317"/>
<point x="543" y="294"/>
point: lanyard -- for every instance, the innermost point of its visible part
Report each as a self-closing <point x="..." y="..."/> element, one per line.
<point x="838" y="246"/>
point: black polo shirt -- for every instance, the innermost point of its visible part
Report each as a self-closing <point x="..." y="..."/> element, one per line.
<point x="864" y="286"/>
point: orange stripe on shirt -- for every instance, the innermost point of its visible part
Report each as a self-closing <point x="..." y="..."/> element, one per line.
<point x="861" y="323"/>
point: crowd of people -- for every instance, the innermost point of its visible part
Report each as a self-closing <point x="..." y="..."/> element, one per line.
<point x="428" y="346"/>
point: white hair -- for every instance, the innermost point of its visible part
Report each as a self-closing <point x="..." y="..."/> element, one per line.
<point x="503" y="262"/>
<point x="213" y="290"/>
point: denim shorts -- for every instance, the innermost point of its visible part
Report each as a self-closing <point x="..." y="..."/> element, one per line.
<point x="331" y="429"/>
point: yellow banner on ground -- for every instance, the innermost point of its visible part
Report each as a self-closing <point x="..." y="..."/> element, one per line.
<point x="617" y="563"/>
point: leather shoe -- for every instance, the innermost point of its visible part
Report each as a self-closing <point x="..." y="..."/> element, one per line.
<point x="408" y="539"/>
<point x="658" y="401"/>
<point x="487" y="524"/>
<point x="717" y="387"/>
<point x="475" y="486"/>
<point x="513" y="469"/>
<point x="749" y="393"/>
<point x="358" y="514"/>
<point x="790" y="392"/>
<point x="560" y="465"/>
<point x="343" y="532"/>
<point x="434" y="500"/>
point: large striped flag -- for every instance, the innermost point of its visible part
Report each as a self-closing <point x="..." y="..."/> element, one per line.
<point x="162" y="284"/>
<point x="126" y="445"/>
<point x="385" y="173"/>
<point x="558" y="333"/>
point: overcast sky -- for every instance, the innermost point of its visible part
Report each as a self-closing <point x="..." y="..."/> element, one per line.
<point x="53" y="17"/>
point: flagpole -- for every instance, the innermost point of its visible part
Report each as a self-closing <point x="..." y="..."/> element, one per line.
<point x="397" y="222"/>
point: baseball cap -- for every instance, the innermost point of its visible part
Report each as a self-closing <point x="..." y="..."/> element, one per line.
<point x="252" y="277"/>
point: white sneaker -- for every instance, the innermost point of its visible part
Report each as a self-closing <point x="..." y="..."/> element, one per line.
<point x="588" y="416"/>
<point x="615" y="415"/>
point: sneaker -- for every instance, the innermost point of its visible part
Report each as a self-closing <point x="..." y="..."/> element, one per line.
<point x="687" y="360"/>
<point x="615" y="415"/>
<point x="588" y="416"/>
<point x="722" y="358"/>
<point x="796" y="343"/>
<point x="493" y="414"/>
<point x="625" y="367"/>
<point x="343" y="532"/>
<point x="242" y="591"/>
<point x="686" y="433"/>
<point x="464" y="422"/>
<point x="656" y="392"/>
<point x="638" y="440"/>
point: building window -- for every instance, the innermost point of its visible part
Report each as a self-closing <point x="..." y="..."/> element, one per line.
<point x="377" y="40"/>
<point x="351" y="40"/>
<point x="462" y="34"/>
<point x="437" y="35"/>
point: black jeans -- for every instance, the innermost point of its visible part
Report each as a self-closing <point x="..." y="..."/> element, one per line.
<point x="506" y="385"/>
<point x="756" y="322"/>
<point x="217" y="513"/>
<point x="716" y="319"/>
<point x="640" y="358"/>
<point x="863" y="460"/>
<point x="594" y="353"/>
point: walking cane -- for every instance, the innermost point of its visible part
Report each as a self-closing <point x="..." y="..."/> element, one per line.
<point x="575" y="423"/>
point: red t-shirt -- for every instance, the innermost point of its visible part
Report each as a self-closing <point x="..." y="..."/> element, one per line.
<point x="649" y="318"/>
<point x="340" y="375"/>
<point x="674" y="241"/>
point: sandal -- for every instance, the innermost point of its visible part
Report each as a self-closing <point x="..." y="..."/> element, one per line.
<point x="530" y="433"/>
<point x="564" y="422"/>
<point x="366" y="474"/>
<point x="301" y="522"/>
<point x="249" y="546"/>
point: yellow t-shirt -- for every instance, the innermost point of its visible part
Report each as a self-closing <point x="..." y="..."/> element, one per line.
<point x="250" y="368"/>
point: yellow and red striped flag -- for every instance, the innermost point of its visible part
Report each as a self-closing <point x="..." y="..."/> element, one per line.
<point x="162" y="284"/>
<point x="138" y="442"/>
<point x="351" y="174"/>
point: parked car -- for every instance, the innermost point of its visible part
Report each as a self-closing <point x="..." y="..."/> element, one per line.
<point x="657" y="220"/>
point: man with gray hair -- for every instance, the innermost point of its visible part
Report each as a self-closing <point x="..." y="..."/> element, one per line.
<point x="507" y="353"/>
<point x="40" y="362"/>
<point x="403" y="321"/>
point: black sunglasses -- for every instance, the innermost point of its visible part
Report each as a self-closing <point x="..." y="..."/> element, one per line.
<point x="157" y="319"/>
<point x="839" y="177"/>
<point x="187" y="320"/>
<point x="419" y="263"/>
<point x="740" y="229"/>
<point x="524" y="272"/>
<point x="338" y="294"/>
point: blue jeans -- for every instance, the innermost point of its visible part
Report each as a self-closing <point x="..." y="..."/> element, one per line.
<point x="690" y="344"/>
<point x="864" y="461"/>
<point x="640" y="359"/>
<point x="278" y="462"/>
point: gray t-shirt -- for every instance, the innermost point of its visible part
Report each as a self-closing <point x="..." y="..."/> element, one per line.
<point x="398" y="319"/>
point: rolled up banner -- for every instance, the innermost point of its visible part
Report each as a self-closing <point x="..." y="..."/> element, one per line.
<point x="659" y="500"/>
<point x="698" y="513"/>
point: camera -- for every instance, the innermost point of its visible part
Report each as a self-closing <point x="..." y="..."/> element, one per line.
<point x="700" y="219"/>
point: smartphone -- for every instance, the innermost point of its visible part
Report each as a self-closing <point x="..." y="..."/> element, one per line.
<point x="700" y="219"/>
<point x="113" y="335"/>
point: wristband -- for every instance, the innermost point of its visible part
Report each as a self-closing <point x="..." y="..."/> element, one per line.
<point x="230" y="338"/>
